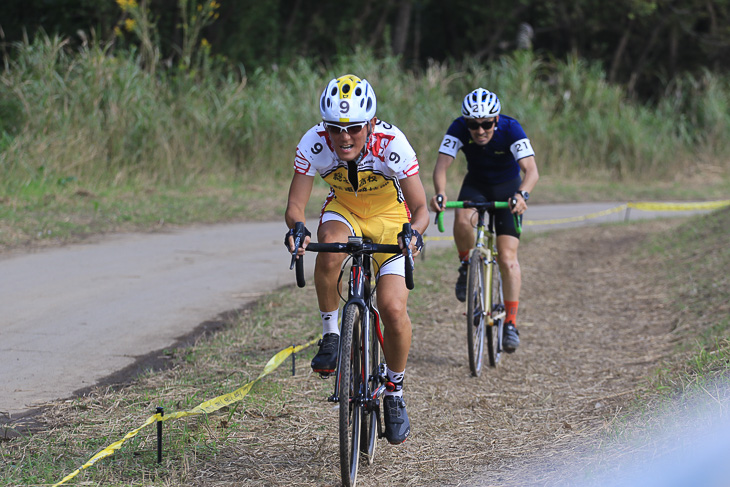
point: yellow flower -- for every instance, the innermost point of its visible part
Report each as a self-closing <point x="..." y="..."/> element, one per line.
<point x="129" y="24"/>
<point x="127" y="5"/>
<point x="117" y="31"/>
<point x="204" y="42"/>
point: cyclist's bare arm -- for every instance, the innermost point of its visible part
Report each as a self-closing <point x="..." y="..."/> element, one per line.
<point x="529" y="180"/>
<point x="439" y="179"/>
<point x="416" y="199"/>
<point x="299" y="192"/>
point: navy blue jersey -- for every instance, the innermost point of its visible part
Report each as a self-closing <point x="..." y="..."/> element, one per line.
<point x="495" y="162"/>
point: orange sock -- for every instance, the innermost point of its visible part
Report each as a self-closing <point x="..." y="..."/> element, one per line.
<point x="463" y="256"/>
<point x="511" y="309"/>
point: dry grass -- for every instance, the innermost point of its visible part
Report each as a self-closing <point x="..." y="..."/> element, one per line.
<point x="595" y="321"/>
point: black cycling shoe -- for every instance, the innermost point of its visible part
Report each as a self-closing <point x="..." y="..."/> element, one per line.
<point x="460" y="288"/>
<point x="510" y="338"/>
<point x="325" y="362"/>
<point x="397" y="425"/>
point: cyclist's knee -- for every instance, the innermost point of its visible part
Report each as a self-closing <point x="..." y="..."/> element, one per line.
<point x="328" y="263"/>
<point x="509" y="264"/>
<point x="393" y="310"/>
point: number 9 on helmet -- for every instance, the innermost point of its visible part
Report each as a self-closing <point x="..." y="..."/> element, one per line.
<point x="347" y="99"/>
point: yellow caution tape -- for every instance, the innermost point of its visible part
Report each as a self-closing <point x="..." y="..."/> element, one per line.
<point x="703" y="205"/>
<point x="205" y="407"/>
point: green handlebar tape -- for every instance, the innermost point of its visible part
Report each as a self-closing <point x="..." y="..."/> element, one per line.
<point x="449" y="204"/>
<point x="460" y="204"/>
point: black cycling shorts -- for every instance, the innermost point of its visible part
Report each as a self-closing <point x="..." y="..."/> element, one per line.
<point x="474" y="190"/>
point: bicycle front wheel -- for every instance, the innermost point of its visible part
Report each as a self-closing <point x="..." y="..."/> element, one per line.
<point x="369" y="430"/>
<point x="475" y="311"/>
<point x="494" y="332"/>
<point x="350" y="387"/>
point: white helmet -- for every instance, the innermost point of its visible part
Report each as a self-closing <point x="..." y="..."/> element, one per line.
<point x="347" y="99"/>
<point x="480" y="103"/>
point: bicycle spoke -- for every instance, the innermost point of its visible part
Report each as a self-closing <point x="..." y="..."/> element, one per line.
<point x="494" y="332"/>
<point x="475" y="311"/>
<point x="350" y="409"/>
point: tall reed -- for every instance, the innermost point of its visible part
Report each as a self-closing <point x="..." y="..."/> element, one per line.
<point x="94" y="115"/>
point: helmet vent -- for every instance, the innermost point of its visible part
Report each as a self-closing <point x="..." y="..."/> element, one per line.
<point x="346" y="89"/>
<point x="334" y="90"/>
<point x="358" y="91"/>
<point x="370" y="104"/>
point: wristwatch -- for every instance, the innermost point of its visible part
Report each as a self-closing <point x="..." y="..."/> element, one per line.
<point x="525" y="195"/>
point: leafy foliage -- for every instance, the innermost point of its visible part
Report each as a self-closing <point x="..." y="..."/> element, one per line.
<point x="642" y="43"/>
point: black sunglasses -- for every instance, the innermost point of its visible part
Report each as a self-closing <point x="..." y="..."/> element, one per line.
<point x="486" y="125"/>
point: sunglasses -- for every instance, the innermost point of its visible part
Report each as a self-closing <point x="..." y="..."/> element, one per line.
<point x="486" y="125"/>
<point x="352" y="129"/>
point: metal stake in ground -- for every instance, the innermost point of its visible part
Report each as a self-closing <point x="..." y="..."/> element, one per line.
<point x="161" y="412"/>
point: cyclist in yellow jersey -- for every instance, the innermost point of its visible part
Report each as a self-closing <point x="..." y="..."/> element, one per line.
<point x="375" y="187"/>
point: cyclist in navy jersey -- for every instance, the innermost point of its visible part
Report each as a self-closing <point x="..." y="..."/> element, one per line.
<point x="500" y="165"/>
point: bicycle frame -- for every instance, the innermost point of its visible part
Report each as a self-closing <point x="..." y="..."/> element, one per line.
<point x="486" y="244"/>
<point x="359" y="295"/>
<point x="360" y="405"/>
<point x="484" y="309"/>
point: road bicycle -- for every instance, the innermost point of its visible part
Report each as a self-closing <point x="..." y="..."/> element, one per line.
<point x="485" y="311"/>
<point x="360" y="376"/>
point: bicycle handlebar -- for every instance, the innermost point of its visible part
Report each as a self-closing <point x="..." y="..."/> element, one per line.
<point x="479" y="206"/>
<point x="358" y="245"/>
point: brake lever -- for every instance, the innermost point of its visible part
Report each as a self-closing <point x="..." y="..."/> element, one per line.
<point x="298" y="232"/>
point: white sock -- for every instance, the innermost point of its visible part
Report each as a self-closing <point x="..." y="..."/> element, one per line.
<point x="397" y="379"/>
<point x="329" y="322"/>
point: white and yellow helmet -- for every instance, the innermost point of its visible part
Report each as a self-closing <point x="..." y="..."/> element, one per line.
<point x="347" y="99"/>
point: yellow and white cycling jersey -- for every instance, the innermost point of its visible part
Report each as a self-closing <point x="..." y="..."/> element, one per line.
<point x="376" y="190"/>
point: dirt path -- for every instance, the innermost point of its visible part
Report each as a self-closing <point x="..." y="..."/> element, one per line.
<point x="593" y="324"/>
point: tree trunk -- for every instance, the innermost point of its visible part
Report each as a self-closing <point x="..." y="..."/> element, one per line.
<point x="402" y="26"/>
<point x="619" y="53"/>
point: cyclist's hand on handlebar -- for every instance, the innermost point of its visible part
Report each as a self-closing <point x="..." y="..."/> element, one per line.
<point x="517" y="204"/>
<point x="415" y="244"/>
<point x="302" y="238"/>
<point x="438" y="203"/>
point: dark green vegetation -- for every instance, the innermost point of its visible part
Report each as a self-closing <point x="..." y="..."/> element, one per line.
<point x="643" y="43"/>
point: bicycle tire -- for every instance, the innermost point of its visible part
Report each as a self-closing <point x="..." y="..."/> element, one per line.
<point x="350" y="414"/>
<point x="475" y="311"/>
<point x="369" y="432"/>
<point x="494" y="332"/>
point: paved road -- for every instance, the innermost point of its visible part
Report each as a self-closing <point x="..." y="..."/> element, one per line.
<point x="74" y="315"/>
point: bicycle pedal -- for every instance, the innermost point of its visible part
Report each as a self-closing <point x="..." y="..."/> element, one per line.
<point x="325" y="375"/>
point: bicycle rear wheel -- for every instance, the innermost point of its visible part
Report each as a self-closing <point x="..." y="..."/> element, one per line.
<point x="494" y="332"/>
<point x="475" y="311"/>
<point x="350" y="386"/>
